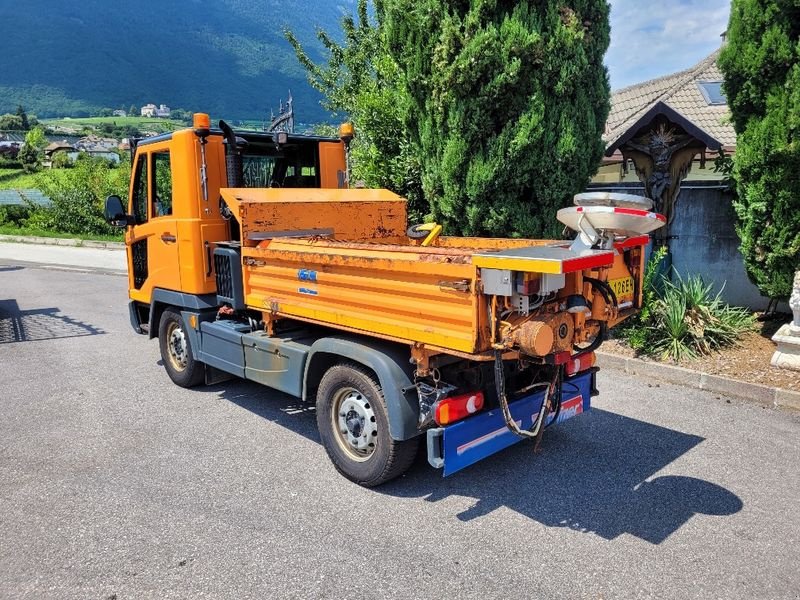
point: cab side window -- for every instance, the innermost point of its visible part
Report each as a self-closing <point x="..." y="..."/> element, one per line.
<point x="140" y="191"/>
<point x="162" y="185"/>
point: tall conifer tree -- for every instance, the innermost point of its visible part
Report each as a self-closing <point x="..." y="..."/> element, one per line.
<point x="761" y="66"/>
<point x="509" y="102"/>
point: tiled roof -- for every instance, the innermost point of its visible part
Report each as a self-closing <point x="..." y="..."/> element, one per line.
<point x="62" y="145"/>
<point x="682" y="93"/>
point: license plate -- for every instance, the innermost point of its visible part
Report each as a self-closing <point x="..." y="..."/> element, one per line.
<point x="623" y="288"/>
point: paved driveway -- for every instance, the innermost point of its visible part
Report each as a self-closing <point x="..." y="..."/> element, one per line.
<point x="116" y="484"/>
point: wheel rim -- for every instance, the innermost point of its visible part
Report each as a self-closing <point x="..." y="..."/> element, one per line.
<point x="354" y="424"/>
<point x="177" y="351"/>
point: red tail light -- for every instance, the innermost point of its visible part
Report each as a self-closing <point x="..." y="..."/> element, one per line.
<point x="456" y="408"/>
<point x="580" y="363"/>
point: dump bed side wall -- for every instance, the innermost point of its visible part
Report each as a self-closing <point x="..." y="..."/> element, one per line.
<point x="401" y="295"/>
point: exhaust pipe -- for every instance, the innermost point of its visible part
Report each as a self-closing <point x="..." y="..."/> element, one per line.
<point x="233" y="156"/>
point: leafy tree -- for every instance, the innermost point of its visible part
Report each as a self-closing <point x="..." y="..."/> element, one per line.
<point x="23" y="116"/>
<point x="61" y="160"/>
<point x="180" y="114"/>
<point x="361" y="82"/>
<point x="77" y="196"/>
<point x="33" y="149"/>
<point x="761" y="66"/>
<point x="133" y="111"/>
<point x="509" y="102"/>
<point x="9" y="122"/>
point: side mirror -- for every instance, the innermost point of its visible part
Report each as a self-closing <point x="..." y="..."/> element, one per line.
<point x="115" y="213"/>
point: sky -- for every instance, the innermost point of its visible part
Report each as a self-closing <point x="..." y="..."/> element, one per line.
<point x="650" y="38"/>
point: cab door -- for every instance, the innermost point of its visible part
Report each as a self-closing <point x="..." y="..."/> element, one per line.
<point x="153" y="239"/>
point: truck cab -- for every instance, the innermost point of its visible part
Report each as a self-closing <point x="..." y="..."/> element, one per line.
<point x="176" y="210"/>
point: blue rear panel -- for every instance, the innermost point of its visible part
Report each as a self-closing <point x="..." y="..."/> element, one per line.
<point x="466" y="442"/>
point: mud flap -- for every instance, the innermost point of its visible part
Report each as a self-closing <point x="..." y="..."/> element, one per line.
<point x="462" y="444"/>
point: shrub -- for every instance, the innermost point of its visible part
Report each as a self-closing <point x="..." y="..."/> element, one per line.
<point x="14" y="214"/>
<point x="690" y="320"/>
<point x="62" y="161"/>
<point x="684" y="319"/>
<point x="77" y="196"/>
<point x="7" y="162"/>
<point x="636" y="330"/>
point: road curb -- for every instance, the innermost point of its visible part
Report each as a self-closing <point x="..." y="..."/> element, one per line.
<point x="47" y="241"/>
<point x="754" y="392"/>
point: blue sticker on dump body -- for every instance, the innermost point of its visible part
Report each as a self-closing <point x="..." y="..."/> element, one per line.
<point x="468" y="441"/>
<point x="307" y="275"/>
<point x="308" y="291"/>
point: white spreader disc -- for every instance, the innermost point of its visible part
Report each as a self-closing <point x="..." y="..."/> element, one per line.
<point x="612" y="199"/>
<point x="621" y="220"/>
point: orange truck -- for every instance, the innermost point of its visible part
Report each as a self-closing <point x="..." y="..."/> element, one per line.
<point x="249" y="256"/>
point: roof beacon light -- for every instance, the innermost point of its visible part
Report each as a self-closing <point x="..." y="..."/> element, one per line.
<point x="347" y="132"/>
<point x="201" y="123"/>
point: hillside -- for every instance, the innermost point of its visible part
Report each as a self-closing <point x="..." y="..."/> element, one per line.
<point x="226" y="57"/>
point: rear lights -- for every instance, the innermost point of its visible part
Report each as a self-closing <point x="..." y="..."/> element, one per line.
<point x="579" y="362"/>
<point x="455" y="408"/>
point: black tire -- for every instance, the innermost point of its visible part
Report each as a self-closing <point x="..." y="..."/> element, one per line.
<point x="176" y="351"/>
<point x="356" y="389"/>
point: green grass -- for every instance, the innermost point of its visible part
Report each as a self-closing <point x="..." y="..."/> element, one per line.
<point x="17" y="179"/>
<point x="26" y="231"/>
<point x="142" y="123"/>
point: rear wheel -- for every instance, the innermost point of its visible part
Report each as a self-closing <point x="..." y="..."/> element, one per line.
<point x="354" y="426"/>
<point x="176" y="351"/>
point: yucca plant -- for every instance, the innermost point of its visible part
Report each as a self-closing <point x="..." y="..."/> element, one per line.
<point x="689" y="319"/>
<point x="672" y="330"/>
<point x="684" y="319"/>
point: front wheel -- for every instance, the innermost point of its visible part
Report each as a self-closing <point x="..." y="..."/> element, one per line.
<point x="354" y="427"/>
<point x="176" y="351"/>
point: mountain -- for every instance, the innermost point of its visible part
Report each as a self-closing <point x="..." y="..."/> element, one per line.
<point x="225" y="57"/>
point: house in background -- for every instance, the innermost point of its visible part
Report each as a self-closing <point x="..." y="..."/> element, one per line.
<point x="119" y="113"/>
<point x="662" y="137"/>
<point x="151" y="110"/>
<point x="97" y="147"/>
<point x="693" y="103"/>
<point x="54" y="148"/>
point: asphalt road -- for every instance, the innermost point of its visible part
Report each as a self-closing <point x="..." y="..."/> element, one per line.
<point x="116" y="484"/>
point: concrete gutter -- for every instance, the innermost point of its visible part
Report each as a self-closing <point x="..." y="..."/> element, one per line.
<point x="48" y="241"/>
<point x="765" y="395"/>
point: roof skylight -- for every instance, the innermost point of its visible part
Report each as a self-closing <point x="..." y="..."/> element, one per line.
<point x="712" y="92"/>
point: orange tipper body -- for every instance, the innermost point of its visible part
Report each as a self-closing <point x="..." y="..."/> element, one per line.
<point x="353" y="266"/>
<point x="250" y="255"/>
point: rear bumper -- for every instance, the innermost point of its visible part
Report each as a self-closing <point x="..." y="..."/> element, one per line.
<point x="462" y="444"/>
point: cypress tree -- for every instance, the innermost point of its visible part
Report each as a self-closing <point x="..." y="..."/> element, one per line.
<point x="508" y="104"/>
<point x="761" y="66"/>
